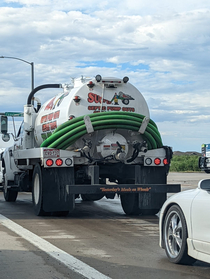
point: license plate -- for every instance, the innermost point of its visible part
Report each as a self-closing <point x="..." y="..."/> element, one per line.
<point x="51" y="153"/>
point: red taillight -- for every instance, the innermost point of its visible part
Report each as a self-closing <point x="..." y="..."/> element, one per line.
<point x="49" y="162"/>
<point x="59" y="162"/>
<point x="165" y="161"/>
<point x="157" y="161"/>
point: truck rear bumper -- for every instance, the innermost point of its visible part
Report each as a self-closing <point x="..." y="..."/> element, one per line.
<point x="123" y="188"/>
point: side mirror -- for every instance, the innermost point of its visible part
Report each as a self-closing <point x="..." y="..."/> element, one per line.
<point x="4" y="124"/>
<point x="5" y="137"/>
<point x="204" y="184"/>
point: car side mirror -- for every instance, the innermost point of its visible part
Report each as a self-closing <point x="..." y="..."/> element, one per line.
<point x="204" y="184"/>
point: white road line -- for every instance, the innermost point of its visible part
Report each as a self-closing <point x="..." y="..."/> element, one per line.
<point x="60" y="255"/>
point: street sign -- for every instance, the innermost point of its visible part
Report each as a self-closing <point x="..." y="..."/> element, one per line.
<point x="14" y="114"/>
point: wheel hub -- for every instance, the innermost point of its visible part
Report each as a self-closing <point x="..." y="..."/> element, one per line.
<point x="174" y="235"/>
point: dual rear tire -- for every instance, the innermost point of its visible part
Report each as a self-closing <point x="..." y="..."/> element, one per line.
<point x="131" y="205"/>
<point x="37" y="191"/>
<point x="38" y="181"/>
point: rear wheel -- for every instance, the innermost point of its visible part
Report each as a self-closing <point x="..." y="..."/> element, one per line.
<point x="91" y="197"/>
<point x="175" y="236"/>
<point x="37" y="195"/>
<point x="130" y="203"/>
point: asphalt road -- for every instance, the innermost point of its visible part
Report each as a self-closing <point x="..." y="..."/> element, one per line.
<point x="97" y="240"/>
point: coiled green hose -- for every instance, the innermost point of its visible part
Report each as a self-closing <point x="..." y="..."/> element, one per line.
<point x="70" y="131"/>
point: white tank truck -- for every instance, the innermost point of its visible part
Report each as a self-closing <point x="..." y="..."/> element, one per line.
<point x="93" y="140"/>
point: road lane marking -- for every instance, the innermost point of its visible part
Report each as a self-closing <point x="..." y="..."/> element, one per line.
<point x="71" y="262"/>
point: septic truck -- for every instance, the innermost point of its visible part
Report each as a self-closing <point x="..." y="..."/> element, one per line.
<point x="93" y="140"/>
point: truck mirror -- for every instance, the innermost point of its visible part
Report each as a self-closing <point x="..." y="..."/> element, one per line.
<point x="5" y="137"/>
<point x="4" y="124"/>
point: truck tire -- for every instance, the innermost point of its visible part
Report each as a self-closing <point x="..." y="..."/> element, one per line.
<point x="10" y="195"/>
<point x="37" y="191"/>
<point x="91" y="197"/>
<point x="130" y="203"/>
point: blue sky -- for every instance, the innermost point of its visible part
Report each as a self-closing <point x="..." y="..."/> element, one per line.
<point x="162" y="46"/>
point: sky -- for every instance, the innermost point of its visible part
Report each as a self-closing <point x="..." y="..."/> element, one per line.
<point x="162" y="46"/>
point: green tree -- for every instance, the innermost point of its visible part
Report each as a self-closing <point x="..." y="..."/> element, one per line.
<point x="184" y="163"/>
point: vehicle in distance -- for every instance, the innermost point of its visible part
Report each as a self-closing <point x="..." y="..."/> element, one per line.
<point x="185" y="225"/>
<point x="204" y="160"/>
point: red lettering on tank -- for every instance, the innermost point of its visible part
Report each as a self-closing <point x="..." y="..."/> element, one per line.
<point x="128" y="109"/>
<point x="96" y="98"/>
<point x="56" y="114"/>
<point x="91" y="98"/>
<point x="44" y="119"/>
<point x="50" y="104"/>
<point x="45" y="127"/>
<point x="114" y="108"/>
<point x="50" y="117"/>
<point x="53" y="125"/>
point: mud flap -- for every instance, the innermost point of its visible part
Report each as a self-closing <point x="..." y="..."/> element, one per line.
<point x="153" y="200"/>
<point x="56" y="196"/>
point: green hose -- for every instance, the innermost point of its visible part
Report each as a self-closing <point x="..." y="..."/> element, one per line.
<point x="70" y="131"/>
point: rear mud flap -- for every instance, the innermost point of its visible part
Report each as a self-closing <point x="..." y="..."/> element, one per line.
<point x="56" y="196"/>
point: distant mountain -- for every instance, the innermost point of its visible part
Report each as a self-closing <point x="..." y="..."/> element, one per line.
<point x="180" y="153"/>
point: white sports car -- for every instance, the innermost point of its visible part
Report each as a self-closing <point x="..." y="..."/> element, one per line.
<point x="185" y="225"/>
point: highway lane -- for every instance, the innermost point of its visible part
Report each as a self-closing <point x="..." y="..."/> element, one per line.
<point x="97" y="233"/>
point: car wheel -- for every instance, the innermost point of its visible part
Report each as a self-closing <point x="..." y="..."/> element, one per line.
<point x="175" y="236"/>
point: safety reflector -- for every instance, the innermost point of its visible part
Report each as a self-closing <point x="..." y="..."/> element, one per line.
<point x="68" y="162"/>
<point x="49" y="162"/>
<point x="165" y="161"/>
<point x="148" y="161"/>
<point x="59" y="162"/>
<point x="157" y="161"/>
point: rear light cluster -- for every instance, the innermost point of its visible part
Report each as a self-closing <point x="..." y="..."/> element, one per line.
<point x="155" y="161"/>
<point x="67" y="162"/>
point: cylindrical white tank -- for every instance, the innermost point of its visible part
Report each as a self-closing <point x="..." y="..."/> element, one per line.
<point x="86" y="97"/>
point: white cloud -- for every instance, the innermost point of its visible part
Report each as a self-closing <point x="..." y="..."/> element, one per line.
<point x="162" y="46"/>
